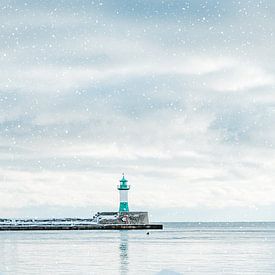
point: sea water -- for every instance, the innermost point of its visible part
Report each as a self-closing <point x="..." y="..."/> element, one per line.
<point x="181" y="248"/>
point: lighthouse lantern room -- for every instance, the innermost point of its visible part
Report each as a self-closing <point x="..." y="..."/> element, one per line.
<point x="123" y="195"/>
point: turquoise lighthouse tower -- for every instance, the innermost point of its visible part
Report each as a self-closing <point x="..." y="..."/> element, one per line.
<point x="123" y="195"/>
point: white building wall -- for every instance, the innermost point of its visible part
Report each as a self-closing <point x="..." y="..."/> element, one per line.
<point x="123" y="194"/>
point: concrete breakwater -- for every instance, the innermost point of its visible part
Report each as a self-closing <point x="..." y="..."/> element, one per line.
<point x="101" y="221"/>
<point x="82" y="227"/>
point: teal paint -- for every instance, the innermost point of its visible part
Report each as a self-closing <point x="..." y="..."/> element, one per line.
<point x="123" y="184"/>
<point x="123" y="206"/>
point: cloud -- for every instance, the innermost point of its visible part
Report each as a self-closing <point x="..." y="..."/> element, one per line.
<point x="183" y="105"/>
<point x="52" y="78"/>
<point x="242" y="77"/>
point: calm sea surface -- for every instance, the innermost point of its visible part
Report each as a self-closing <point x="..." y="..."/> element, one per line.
<point x="181" y="248"/>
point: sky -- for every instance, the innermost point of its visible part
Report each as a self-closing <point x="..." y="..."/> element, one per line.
<point x="178" y="95"/>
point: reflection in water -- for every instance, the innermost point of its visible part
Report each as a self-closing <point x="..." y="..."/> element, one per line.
<point x="123" y="250"/>
<point x="185" y="248"/>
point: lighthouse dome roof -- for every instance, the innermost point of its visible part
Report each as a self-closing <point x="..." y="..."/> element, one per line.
<point x="123" y="180"/>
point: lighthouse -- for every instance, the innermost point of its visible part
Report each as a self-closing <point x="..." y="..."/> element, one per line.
<point x="123" y="195"/>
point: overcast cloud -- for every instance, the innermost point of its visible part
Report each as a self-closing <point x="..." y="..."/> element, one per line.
<point x="178" y="95"/>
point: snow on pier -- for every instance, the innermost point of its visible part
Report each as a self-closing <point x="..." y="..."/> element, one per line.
<point x="67" y="224"/>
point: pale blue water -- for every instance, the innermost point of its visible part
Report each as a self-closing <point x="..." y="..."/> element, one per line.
<point x="181" y="248"/>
